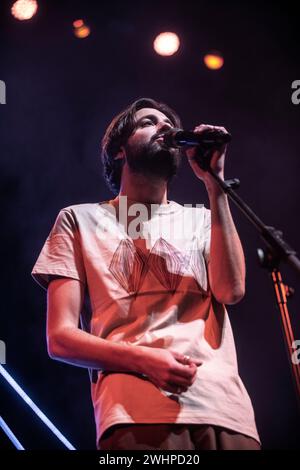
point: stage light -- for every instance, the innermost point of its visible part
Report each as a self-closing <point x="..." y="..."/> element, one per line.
<point x="24" y="9"/>
<point x="81" y="30"/>
<point x="213" y="60"/>
<point x="166" y="44"/>
<point x="13" y="439"/>
<point x="16" y="387"/>
<point x="78" y="23"/>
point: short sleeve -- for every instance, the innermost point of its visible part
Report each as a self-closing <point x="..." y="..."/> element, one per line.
<point x="206" y="234"/>
<point x="61" y="254"/>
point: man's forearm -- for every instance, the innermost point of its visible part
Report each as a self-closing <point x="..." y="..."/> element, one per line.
<point x="227" y="264"/>
<point x="170" y="370"/>
<point x="83" y="349"/>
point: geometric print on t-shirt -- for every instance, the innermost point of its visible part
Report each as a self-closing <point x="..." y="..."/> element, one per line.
<point x="130" y="264"/>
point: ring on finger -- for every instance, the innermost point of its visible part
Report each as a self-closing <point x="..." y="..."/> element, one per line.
<point x="186" y="359"/>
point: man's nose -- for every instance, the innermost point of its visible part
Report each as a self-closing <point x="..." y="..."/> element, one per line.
<point x="163" y="127"/>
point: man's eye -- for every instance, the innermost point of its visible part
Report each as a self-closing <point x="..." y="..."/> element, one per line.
<point x="146" y="123"/>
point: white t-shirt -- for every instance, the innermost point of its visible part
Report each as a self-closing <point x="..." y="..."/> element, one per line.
<point x="156" y="295"/>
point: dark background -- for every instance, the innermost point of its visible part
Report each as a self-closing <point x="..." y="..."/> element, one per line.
<point x="61" y="94"/>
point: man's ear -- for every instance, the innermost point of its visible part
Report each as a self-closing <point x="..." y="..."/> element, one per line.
<point x="121" y="154"/>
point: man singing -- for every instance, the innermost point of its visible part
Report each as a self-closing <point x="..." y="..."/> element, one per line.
<point x="157" y="338"/>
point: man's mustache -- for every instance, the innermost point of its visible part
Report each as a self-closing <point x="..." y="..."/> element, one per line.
<point x="157" y="136"/>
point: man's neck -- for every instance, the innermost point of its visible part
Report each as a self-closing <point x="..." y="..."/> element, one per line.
<point x="144" y="189"/>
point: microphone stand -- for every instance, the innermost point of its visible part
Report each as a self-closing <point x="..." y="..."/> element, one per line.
<point x="276" y="250"/>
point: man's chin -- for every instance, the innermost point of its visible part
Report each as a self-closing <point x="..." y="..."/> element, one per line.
<point x="158" y="161"/>
<point x="164" y="164"/>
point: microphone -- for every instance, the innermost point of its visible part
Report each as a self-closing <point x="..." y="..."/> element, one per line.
<point x="208" y="139"/>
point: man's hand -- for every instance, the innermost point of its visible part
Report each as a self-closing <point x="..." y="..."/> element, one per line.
<point x="168" y="370"/>
<point x="217" y="160"/>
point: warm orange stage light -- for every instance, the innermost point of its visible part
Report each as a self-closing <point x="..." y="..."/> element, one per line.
<point x="81" y="30"/>
<point x="213" y="61"/>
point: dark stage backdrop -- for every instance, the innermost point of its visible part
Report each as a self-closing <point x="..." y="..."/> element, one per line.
<point x="61" y="94"/>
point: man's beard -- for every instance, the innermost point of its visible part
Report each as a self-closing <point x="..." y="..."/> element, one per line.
<point x="153" y="159"/>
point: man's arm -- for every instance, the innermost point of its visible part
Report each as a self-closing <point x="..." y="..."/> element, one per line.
<point x="227" y="265"/>
<point x="226" y="268"/>
<point x="67" y="343"/>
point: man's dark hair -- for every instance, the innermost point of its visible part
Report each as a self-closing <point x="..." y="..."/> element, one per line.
<point x="117" y="134"/>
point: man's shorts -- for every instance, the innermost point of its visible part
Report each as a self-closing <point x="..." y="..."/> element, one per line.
<point x="174" y="437"/>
